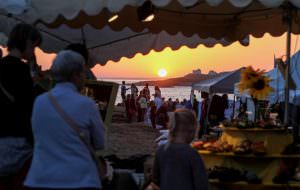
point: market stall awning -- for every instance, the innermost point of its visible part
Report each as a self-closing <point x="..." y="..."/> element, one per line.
<point x="107" y="45"/>
<point x="226" y="21"/>
<point x="221" y="84"/>
<point x="104" y="44"/>
<point x="229" y="19"/>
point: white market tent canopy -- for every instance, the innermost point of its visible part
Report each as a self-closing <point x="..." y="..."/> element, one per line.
<point x="295" y="69"/>
<point x="104" y="44"/>
<point x="277" y="80"/>
<point x="278" y="83"/>
<point x="224" y="20"/>
<point x="222" y="84"/>
<point x="230" y="19"/>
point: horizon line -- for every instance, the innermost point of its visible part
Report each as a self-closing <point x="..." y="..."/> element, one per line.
<point x="130" y="78"/>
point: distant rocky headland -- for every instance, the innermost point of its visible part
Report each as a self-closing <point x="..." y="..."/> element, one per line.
<point x="187" y="80"/>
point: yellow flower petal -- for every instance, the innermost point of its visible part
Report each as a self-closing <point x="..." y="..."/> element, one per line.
<point x="255" y="82"/>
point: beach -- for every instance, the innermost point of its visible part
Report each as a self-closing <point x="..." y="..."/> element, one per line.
<point x="128" y="139"/>
<point x="180" y="92"/>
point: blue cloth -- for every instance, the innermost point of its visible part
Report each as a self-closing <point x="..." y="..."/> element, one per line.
<point x="158" y="102"/>
<point x="60" y="158"/>
<point x="228" y="112"/>
<point x="15" y="151"/>
<point x="199" y="112"/>
<point x="188" y="105"/>
<point x="123" y="89"/>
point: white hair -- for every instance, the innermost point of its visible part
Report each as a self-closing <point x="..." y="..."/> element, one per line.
<point x="66" y="64"/>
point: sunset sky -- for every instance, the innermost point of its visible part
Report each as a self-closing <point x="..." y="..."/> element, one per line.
<point x="259" y="54"/>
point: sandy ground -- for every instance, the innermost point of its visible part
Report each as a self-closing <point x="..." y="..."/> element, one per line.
<point x="128" y="139"/>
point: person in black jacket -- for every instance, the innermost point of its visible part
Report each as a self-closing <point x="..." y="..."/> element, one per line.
<point x="16" y="102"/>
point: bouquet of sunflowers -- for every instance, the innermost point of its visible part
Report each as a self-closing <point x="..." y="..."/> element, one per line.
<point x="255" y="83"/>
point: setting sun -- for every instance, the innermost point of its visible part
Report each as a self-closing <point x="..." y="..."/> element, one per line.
<point x="162" y="72"/>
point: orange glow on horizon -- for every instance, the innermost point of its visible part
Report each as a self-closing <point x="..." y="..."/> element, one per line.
<point x="260" y="54"/>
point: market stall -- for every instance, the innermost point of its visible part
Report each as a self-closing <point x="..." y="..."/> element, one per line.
<point x="250" y="159"/>
<point x="232" y="20"/>
<point x="252" y="154"/>
<point x="223" y="84"/>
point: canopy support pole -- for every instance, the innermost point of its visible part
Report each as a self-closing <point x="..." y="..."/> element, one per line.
<point x="288" y="19"/>
<point x="206" y="122"/>
<point x="233" y="108"/>
<point x="83" y="36"/>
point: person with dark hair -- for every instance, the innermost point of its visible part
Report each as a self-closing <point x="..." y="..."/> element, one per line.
<point x="146" y="91"/>
<point x="82" y="50"/>
<point x="216" y="111"/>
<point x="196" y="105"/>
<point x="153" y="114"/>
<point x="134" y="90"/>
<point x="162" y="117"/>
<point x="133" y="108"/>
<point x="170" y="105"/>
<point x="24" y="38"/>
<point x="16" y="102"/>
<point x="157" y="91"/>
<point x="123" y="91"/>
<point x="225" y="106"/>
<point x="225" y="100"/>
<point x="158" y="101"/>
<point x="128" y="108"/>
<point x="142" y="106"/>
<point x="203" y="110"/>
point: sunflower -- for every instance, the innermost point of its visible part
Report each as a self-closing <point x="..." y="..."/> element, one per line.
<point x="260" y="88"/>
<point x="248" y="77"/>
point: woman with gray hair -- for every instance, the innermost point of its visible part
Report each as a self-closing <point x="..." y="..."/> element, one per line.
<point x="61" y="160"/>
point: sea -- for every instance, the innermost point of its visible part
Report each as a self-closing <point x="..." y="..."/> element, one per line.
<point x="180" y="92"/>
